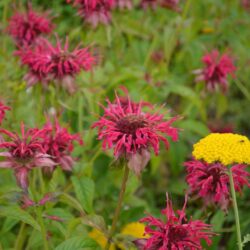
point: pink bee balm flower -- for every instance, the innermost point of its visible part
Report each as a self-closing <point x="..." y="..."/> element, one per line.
<point x="216" y="70"/>
<point x="211" y="181"/>
<point x="23" y="153"/>
<point x="176" y="233"/>
<point x="59" y="144"/>
<point x="148" y="4"/>
<point x="25" y="28"/>
<point x="132" y="132"/>
<point x="94" y="11"/>
<point x="170" y="4"/>
<point x="55" y="63"/>
<point x="3" y="109"/>
<point x="124" y="4"/>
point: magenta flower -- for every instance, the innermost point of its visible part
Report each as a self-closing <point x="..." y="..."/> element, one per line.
<point x="25" y="28"/>
<point x="3" y="109"/>
<point x="23" y="153"/>
<point x="245" y="4"/>
<point x="94" y="11"/>
<point x="132" y="132"/>
<point x="148" y="4"/>
<point x="176" y="233"/>
<point x="211" y="181"/>
<point x="216" y="70"/>
<point x="48" y="63"/>
<point x="123" y="4"/>
<point x="170" y="4"/>
<point x="59" y="144"/>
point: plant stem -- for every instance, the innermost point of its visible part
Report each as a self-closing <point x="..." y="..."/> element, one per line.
<point x="236" y="212"/>
<point x="118" y="208"/>
<point x="43" y="228"/>
<point x="20" y="237"/>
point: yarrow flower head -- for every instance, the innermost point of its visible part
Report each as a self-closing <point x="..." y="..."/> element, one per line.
<point x="25" y="28"/>
<point x="59" y="144"/>
<point x="226" y="148"/>
<point x="23" y="153"/>
<point x="176" y="233"/>
<point x="3" y="109"/>
<point x="216" y="70"/>
<point x="132" y="132"/>
<point x="55" y="63"/>
<point x="94" y="11"/>
<point x="211" y="181"/>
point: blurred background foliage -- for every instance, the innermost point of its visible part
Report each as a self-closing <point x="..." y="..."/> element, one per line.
<point x="153" y="54"/>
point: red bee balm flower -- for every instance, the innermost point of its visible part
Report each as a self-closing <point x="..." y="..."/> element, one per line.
<point x="94" y="11"/>
<point x="176" y="233"/>
<point x="211" y="181"/>
<point x="59" y="144"/>
<point x="216" y="70"/>
<point x="25" y="28"/>
<point x="23" y="153"/>
<point x="132" y="132"/>
<point x="47" y="63"/>
<point x="3" y="109"/>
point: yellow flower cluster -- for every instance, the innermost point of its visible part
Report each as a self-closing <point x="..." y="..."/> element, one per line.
<point x="134" y="229"/>
<point x="226" y="148"/>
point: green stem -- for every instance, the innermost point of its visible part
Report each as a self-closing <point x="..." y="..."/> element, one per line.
<point x="20" y="237"/>
<point x="43" y="228"/>
<point x="236" y="212"/>
<point x="118" y="208"/>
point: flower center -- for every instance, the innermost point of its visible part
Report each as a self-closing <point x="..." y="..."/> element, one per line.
<point x="177" y="234"/>
<point x="130" y="123"/>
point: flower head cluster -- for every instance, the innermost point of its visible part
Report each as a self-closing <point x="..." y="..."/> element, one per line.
<point x="124" y="4"/>
<point x="226" y="148"/>
<point x="176" y="233"/>
<point x="25" y="28"/>
<point x="55" y="63"/>
<point x="59" y="144"/>
<point x="169" y="4"/>
<point x="211" y="181"/>
<point x="216" y="70"/>
<point x="25" y="152"/>
<point x="132" y="132"/>
<point x="94" y="11"/>
<point x="3" y="109"/>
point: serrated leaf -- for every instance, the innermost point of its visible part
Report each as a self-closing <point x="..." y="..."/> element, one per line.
<point x="84" y="189"/>
<point x="95" y="221"/>
<point x="246" y="239"/>
<point x="79" y="243"/>
<point x="19" y="214"/>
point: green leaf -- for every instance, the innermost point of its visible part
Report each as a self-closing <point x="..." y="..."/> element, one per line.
<point x="19" y="214"/>
<point x="246" y="239"/>
<point x="95" y="221"/>
<point x="84" y="189"/>
<point x="78" y="243"/>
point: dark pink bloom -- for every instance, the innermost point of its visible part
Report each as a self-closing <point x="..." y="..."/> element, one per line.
<point x="55" y="63"/>
<point x="149" y="4"/>
<point x="246" y="4"/>
<point x="59" y="144"/>
<point x="54" y="217"/>
<point x="23" y="153"/>
<point x="124" y="4"/>
<point x="46" y="198"/>
<point x="27" y="202"/>
<point x="3" y="109"/>
<point x="218" y="127"/>
<point x="132" y="132"/>
<point x="25" y="28"/>
<point x="211" y="181"/>
<point x="170" y="4"/>
<point x="216" y="70"/>
<point x="94" y="11"/>
<point x="176" y="233"/>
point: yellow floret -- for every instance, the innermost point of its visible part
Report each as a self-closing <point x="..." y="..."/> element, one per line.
<point x="100" y="238"/>
<point x="226" y="148"/>
<point x="135" y="229"/>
